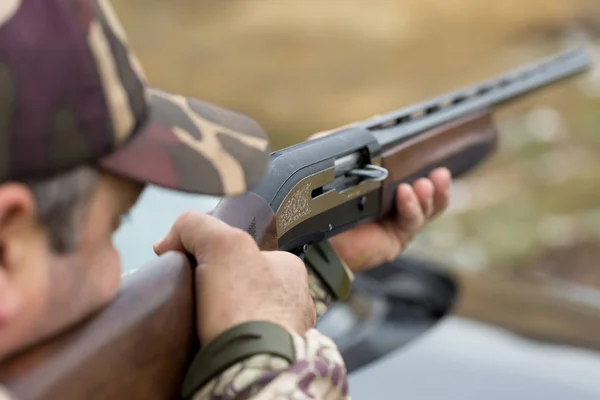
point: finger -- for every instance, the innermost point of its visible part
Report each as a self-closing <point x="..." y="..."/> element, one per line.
<point x="441" y="179"/>
<point x="293" y="264"/>
<point x="410" y="216"/>
<point x="294" y="272"/>
<point x="191" y="232"/>
<point x="170" y="242"/>
<point x="424" y="190"/>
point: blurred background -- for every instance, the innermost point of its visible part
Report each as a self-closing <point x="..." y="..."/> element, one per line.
<point x="530" y="215"/>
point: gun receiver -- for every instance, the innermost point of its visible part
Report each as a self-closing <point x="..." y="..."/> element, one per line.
<point x="138" y="347"/>
<point x="317" y="189"/>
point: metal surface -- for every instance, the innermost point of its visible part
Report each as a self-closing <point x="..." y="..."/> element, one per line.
<point x="392" y="128"/>
<point x="463" y="359"/>
<point x="300" y="204"/>
<point x="404" y="340"/>
<point x="346" y="163"/>
<point x="387" y="309"/>
<point x="370" y="172"/>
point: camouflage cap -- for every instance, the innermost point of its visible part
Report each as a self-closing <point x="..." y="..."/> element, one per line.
<point x="72" y="93"/>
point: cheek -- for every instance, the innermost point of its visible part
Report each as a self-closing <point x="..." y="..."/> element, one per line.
<point x="98" y="255"/>
<point x="100" y="265"/>
<point x="80" y="284"/>
<point x="104" y="272"/>
<point x="34" y="284"/>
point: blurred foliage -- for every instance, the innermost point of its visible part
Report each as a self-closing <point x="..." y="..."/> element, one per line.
<point x="303" y="66"/>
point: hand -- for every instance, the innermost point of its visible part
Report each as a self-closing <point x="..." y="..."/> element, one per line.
<point x="236" y="282"/>
<point x="375" y="243"/>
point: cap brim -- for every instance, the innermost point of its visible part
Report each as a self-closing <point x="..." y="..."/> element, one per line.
<point x="192" y="146"/>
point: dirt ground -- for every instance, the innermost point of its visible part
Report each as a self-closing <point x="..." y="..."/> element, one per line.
<point x="299" y="67"/>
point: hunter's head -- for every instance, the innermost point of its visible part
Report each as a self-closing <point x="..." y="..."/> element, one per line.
<point x="81" y="135"/>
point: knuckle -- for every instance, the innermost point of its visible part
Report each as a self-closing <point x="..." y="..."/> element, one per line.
<point x="393" y="252"/>
<point x="293" y="263"/>
<point x="241" y="238"/>
<point x="185" y="219"/>
<point x="395" y="247"/>
<point x="414" y="223"/>
<point x="230" y="238"/>
<point x="287" y="269"/>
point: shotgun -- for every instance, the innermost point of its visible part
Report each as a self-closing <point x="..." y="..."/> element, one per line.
<point x="139" y="346"/>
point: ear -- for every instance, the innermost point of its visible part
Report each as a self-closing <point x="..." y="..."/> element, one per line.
<point x="17" y="228"/>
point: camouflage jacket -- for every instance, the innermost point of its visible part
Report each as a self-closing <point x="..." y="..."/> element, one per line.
<point x="319" y="371"/>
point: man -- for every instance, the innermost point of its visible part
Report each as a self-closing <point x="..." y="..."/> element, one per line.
<point x="82" y="134"/>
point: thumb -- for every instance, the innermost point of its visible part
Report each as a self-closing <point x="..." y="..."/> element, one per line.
<point x="170" y="242"/>
<point x="173" y="241"/>
<point x="191" y="232"/>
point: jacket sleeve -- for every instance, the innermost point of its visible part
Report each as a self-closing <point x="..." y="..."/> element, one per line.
<point x="319" y="371"/>
<point x="320" y="294"/>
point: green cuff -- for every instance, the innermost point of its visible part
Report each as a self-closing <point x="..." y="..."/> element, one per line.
<point x="234" y="345"/>
<point x="330" y="268"/>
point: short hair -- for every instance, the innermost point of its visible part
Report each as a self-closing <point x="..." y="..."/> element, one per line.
<point x="62" y="202"/>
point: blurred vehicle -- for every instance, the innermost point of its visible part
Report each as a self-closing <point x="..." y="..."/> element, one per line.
<point x="414" y="330"/>
<point x="404" y="341"/>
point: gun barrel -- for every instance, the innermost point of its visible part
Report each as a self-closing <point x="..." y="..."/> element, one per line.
<point x="395" y="127"/>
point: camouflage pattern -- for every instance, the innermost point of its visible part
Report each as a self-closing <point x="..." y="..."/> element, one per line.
<point x="73" y="93"/>
<point x="319" y="373"/>
<point x="319" y="293"/>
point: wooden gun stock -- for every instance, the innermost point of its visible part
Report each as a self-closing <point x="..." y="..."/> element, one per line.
<point x="138" y="347"/>
<point x="458" y="145"/>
